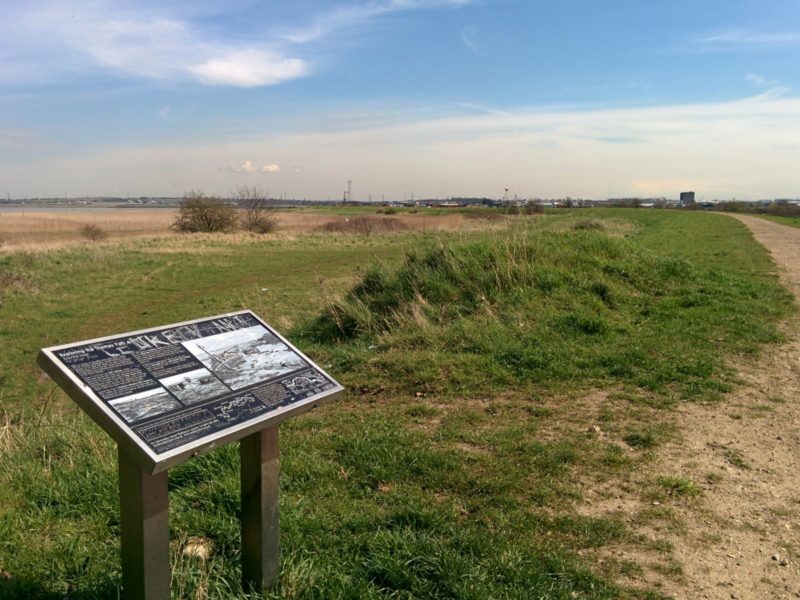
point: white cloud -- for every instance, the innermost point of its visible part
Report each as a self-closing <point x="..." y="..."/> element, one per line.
<point x="483" y="109"/>
<point x="249" y="68"/>
<point x="748" y="38"/>
<point x="249" y="166"/>
<point x="469" y="38"/>
<point x="772" y="88"/>
<point x="138" y="43"/>
<point x="354" y="15"/>
<point x="46" y="40"/>
<point x="756" y="79"/>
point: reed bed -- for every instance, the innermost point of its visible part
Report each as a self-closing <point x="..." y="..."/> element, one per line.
<point x="46" y="230"/>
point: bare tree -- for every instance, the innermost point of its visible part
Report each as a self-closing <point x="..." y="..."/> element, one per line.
<point x="257" y="213"/>
<point x="201" y="213"/>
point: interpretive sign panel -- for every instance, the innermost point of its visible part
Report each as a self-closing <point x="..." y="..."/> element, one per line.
<point x="176" y="391"/>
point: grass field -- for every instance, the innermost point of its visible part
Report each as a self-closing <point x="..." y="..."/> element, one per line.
<point x="477" y="363"/>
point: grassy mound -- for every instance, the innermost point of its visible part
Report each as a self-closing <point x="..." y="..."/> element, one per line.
<point x="546" y="309"/>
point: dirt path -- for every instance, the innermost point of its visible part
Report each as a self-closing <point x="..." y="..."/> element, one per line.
<point x="744" y="540"/>
<point x="741" y="537"/>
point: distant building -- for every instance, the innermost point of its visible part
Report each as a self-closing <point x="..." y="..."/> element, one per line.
<point x="687" y="198"/>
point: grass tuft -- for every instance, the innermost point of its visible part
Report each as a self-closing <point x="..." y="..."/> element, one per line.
<point x="678" y="486"/>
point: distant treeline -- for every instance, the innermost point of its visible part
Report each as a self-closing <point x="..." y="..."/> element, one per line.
<point x="778" y="209"/>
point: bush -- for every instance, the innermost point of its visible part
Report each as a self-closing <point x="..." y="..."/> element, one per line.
<point x="199" y="213"/>
<point x="93" y="233"/>
<point x="588" y="225"/>
<point x="257" y="214"/>
<point x="364" y="225"/>
<point x="784" y="210"/>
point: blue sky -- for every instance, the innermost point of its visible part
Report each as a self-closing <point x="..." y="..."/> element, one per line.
<point x="427" y="97"/>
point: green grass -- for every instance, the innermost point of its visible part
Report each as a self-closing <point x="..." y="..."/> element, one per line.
<point x="678" y="486"/>
<point x="555" y="310"/>
<point x="449" y="468"/>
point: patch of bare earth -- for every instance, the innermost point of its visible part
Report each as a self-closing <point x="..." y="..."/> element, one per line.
<point x="740" y="536"/>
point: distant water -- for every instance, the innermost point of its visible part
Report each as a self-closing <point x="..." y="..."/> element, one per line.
<point x="17" y="208"/>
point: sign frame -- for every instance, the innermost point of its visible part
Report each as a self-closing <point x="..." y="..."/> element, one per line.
<point x="128" y="440"/>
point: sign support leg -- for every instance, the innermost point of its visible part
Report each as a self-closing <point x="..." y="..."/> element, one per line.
<point x="260" y="455"/>
<point x="144" y="531"/>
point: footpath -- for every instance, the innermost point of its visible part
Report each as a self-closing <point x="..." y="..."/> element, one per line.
<point x="741" y="538"/>
<point x="745" y="540"/>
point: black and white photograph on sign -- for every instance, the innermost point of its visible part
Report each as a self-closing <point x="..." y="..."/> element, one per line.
<point x="194" y="386"/>
<point x="245" y="356"/>
<point x="139" y="406"/>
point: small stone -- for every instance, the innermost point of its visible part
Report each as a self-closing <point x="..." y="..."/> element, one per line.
<point x="198" y="547"/>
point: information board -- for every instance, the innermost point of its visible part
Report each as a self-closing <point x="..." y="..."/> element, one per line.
<point x="176" y="391"/>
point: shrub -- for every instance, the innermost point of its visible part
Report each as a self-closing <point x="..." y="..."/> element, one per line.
<point x="199" y="213"/>
<point x="364" y="225"/>
<point x="588" y="225"/>
<point x="93" y="233"/>
<point x="734" y="206"/>
<point x="784" y="210"/>
<point x="257" y="215"/>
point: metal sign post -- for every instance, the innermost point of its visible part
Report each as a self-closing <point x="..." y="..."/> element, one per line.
<point x="171" y="393"/>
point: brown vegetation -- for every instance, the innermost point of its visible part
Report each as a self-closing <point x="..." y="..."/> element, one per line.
<point x="93" y="232"/>
<point x="36" y="230"/>
<point x="199" y="213"/>
<point x="365" y="225"/>
<point x="778" y="209"/>
<point x="257" y="215"/>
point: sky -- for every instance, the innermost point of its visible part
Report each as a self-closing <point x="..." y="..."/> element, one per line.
<point x="422" y="98"/>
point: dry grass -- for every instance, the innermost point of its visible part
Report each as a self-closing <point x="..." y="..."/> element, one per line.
<point x="365" y="225"/>
<point x="42" y="230"/>
<point x="34" y="230"/>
